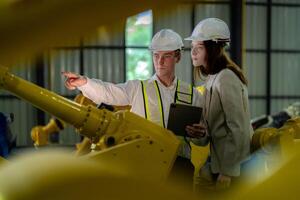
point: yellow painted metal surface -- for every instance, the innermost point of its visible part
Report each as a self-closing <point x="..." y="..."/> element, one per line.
<point x="295" y="123"/>
<point x="43" y="99"/>
<point x="282" y="183"/>
<point x="57" y="175"/>
<point x="199" y="155"/>
<point x="201" y="89"/>
<point x="262" y="137"/>
<point x="144" y="159"/>
<point x="2" y="160"/>
<point x="40" y="134"/>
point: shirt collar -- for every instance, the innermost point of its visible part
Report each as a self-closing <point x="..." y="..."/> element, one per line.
<point x="155" y="78"/>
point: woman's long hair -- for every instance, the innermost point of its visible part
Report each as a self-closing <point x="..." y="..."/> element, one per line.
<point x="218" y="60"/>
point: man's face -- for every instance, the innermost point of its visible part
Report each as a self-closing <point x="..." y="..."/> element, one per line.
<point x="164" y="62"/>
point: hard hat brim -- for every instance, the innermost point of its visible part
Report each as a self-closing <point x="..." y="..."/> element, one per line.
<point x="165" y="49"/>
<point x="191" y="38"/>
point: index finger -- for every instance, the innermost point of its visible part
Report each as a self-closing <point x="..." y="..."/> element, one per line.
<point x="70" y="74"/>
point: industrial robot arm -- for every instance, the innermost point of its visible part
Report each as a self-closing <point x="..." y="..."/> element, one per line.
<point x="40" y="134"/>
<point x="125" y="139"/>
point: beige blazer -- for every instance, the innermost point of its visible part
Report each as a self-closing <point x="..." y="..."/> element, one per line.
<point x="226" y="113"/>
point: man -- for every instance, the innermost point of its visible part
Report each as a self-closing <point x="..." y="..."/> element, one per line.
<point x="149" y="98"/>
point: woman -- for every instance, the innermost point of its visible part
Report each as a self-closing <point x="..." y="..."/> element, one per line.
<point x="226" y="120"/>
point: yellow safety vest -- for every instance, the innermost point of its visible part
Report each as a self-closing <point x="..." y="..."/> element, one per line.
<point x="153" y="105"/>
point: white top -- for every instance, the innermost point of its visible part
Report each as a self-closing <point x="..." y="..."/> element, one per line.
<point x="130" y="93"/>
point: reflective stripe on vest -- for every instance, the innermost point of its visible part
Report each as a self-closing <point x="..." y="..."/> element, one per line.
<point x="154" y="107"/>
<point x="184" y="93"/>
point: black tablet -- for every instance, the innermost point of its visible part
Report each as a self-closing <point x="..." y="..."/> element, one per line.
<point x="182" y="115"/>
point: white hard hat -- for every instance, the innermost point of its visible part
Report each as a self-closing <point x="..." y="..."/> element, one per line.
<point x="211" y="29"/>
<point x="166" y="40"/>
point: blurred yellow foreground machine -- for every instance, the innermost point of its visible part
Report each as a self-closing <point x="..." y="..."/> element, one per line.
<point x="141" y="148"/>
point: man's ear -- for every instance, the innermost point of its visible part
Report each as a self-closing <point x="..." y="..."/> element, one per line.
<point x="178" y="57"/>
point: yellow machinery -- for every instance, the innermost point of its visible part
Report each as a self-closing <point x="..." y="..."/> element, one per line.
<point x="279" y="176"/>
<point x="199" y="154"/>
<point x="40" y="134"/>
<point x="272" y="148"/>
<point x="124" y="138"/>
<point x="279" y="141"/>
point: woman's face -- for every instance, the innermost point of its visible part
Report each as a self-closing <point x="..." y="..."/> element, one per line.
<point x="198" y="54"/>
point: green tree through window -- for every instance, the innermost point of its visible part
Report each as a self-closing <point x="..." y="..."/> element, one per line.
<point x="138" y="37"/>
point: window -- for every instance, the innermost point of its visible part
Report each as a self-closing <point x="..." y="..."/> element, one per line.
<point x="138" y="36"/>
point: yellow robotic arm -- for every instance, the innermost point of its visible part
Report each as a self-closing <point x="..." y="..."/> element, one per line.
<point x="138" y="146"/>
<point x="39" y="134"/>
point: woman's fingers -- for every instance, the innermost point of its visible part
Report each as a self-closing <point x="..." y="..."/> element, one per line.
<point x="199" y="126"/>
<point x="195" y="131"/>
